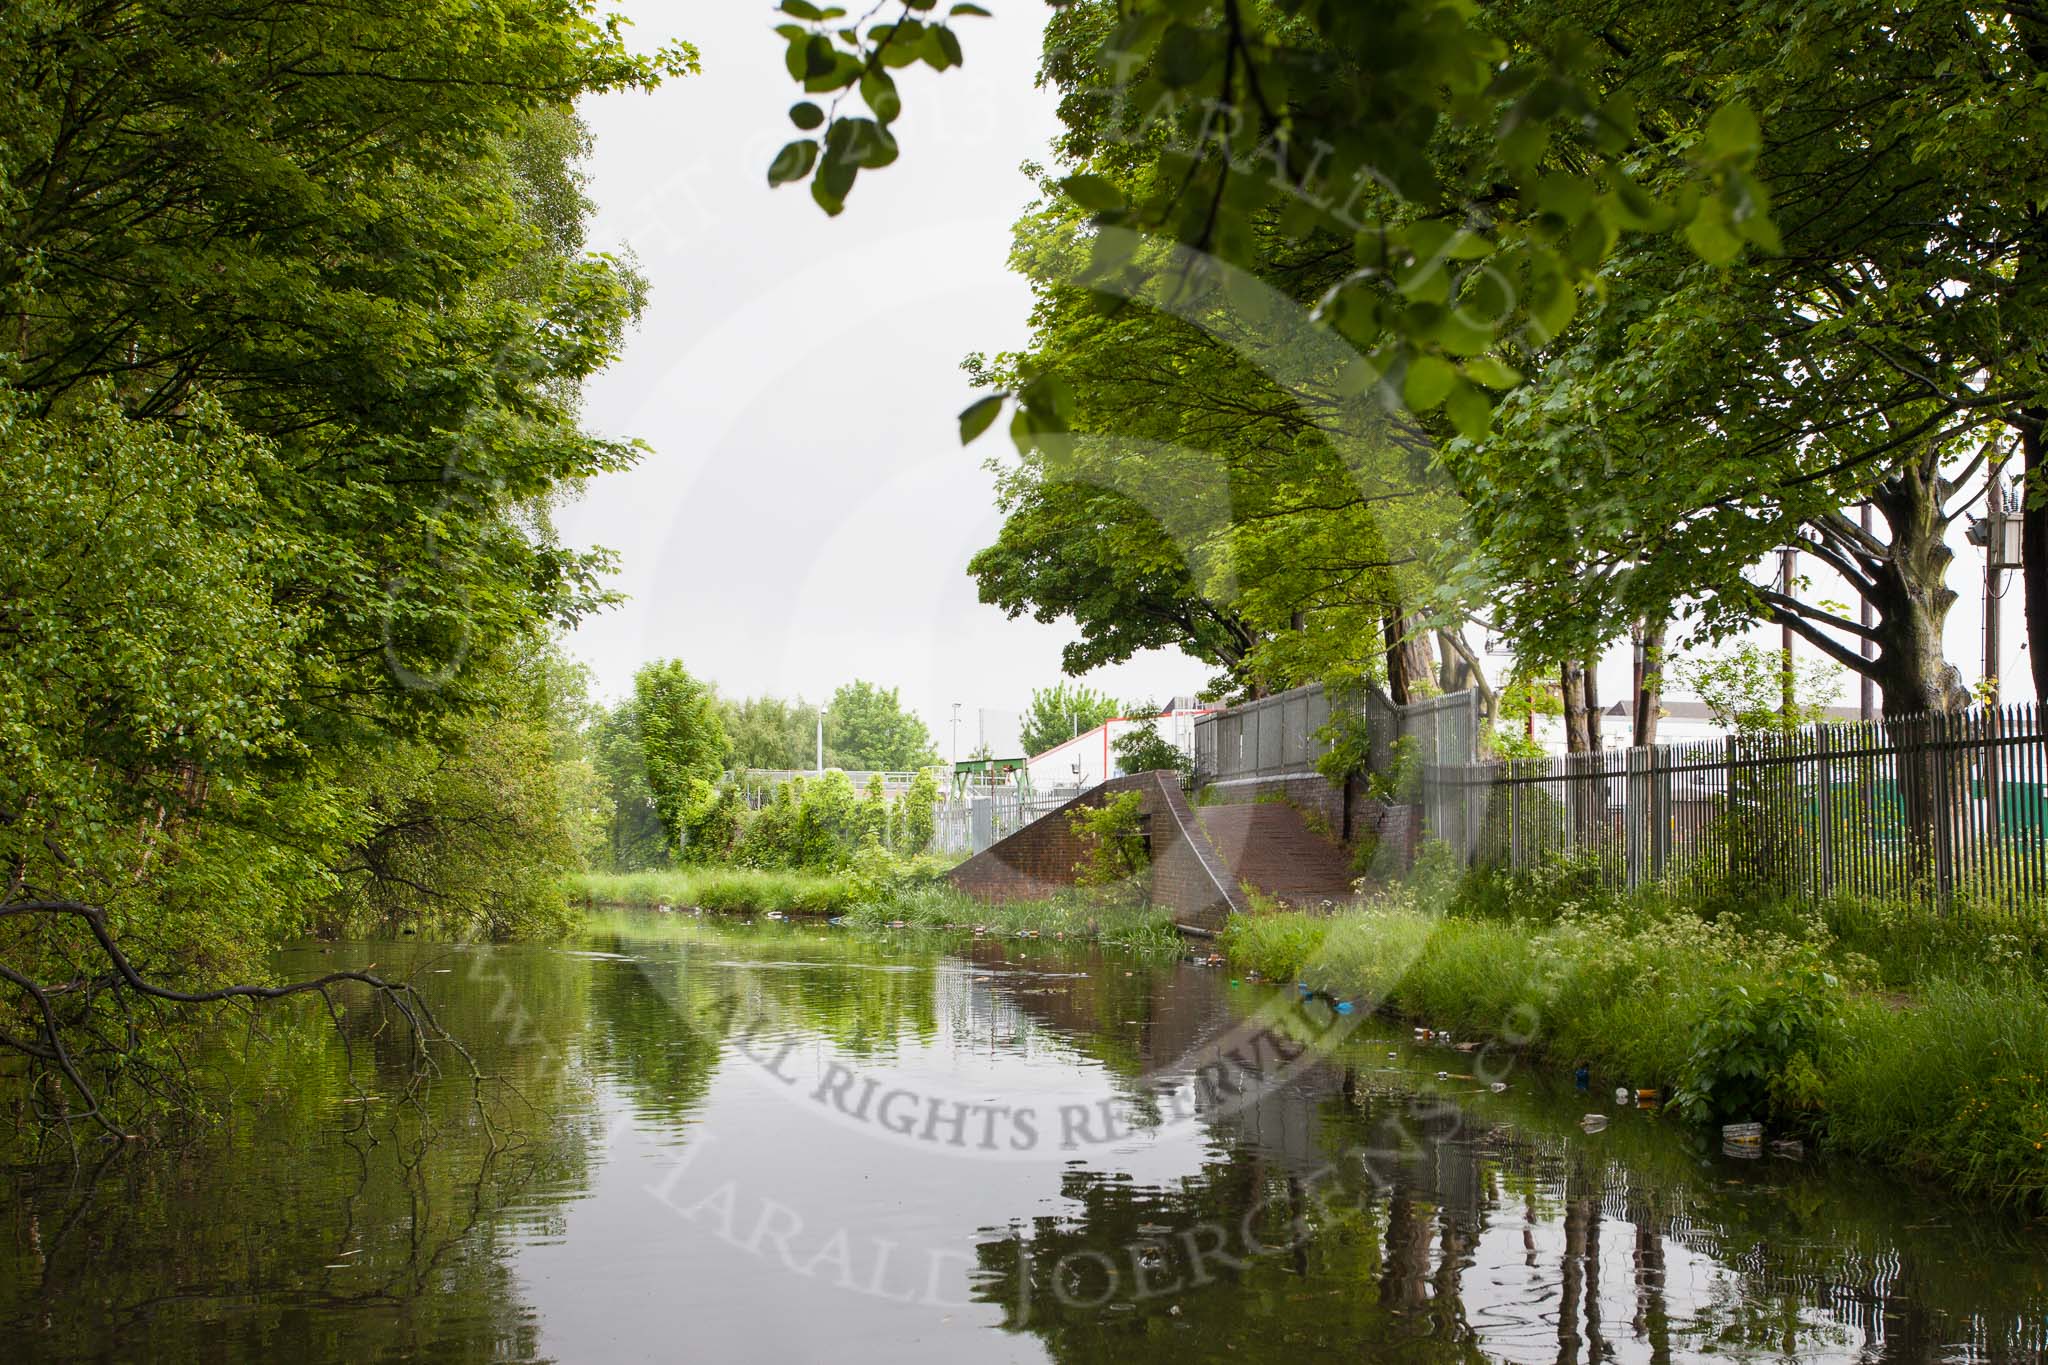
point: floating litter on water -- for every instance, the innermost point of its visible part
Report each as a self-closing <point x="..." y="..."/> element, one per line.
<point x="1621" y="1095"/>
<point x="1500" y="1087"/>
<point x="1593" y="1123"/>
<point x="1343" y="1007"/>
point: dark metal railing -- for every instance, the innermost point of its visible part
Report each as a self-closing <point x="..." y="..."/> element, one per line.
<point x="1946" y="806"/>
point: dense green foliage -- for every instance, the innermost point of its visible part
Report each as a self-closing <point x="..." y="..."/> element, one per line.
<point x="683" y="750"/>
<point x="770" y="733"/>
<point x="1356" y="323"/>
<point x="298" y="310"/>
<point x="1113" y="832"/>
<point x="1058" y="713"/>
<point x="1142" y="749"/>
<point x="674" y="789"/>
<point x="867" y="728"/>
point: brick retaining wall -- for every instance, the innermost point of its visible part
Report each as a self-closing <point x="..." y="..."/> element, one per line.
<point x="1345" y="809"/>
<point x="1310" y="793"/>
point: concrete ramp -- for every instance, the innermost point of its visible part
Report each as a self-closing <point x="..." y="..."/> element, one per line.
<point x="1268" y="845"/>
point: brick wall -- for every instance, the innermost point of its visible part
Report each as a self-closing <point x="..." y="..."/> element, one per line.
<point x="1344" y="808"/>
<point x="1398" y="828"/>
<point x="1310" y="793"/>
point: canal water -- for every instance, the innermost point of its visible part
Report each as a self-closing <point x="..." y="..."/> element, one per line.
<point x="700" y="1140"/>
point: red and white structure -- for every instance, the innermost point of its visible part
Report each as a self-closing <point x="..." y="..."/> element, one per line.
<point x="1090" y="757"/>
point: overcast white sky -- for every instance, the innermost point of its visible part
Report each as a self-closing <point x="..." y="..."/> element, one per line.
<point x="806" y="513"/>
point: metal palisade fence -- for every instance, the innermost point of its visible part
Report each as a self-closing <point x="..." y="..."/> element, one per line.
<point x="975" y="817"/>
<point x="1952" y="807"/>
<point x="1276" y="736"/>
<point x="1285" y="734"/>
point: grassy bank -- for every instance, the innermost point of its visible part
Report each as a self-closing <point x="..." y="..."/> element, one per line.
<point x="1896" y="1046"/>
<point x="916" y="900"/>
<point x="729" y="889"/>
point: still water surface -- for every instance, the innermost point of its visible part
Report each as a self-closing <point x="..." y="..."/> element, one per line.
<point x="710" y="1141"/>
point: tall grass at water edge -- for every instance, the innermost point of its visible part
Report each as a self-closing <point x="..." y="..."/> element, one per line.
<point x="1922" y="1055"/>
<point x="730" y="889"/>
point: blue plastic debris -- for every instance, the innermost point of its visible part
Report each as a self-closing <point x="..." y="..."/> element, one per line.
<point x="1343" y="1007"/>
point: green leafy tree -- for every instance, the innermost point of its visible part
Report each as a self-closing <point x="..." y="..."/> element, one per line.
<point x="1218" y="485"/>
<point x="470" y="837"/>
<point x="1059" y="712"/>
<point x="1755" y="690"/>
<point x="299" y="309"/>
<point x="685" y="751"/>
<point x="635" y="838"/>
<point x="1694" y="421"/>
<point x="768" y="732"/>
<point x="828" y="824"/>
<point x="1319" y="117"/>
<point x="867" y="727"/>
<point x="1143" y="749"/>
<point x="919" y="814"/>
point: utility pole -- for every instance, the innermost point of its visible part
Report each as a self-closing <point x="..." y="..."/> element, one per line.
<point x="1994" y="552"/>
<point x="821" y="740"/>
<point x="1996" y="560"/>
<point x="1788" y="569"/>
<point x="1867" y="646"/>
<point x="956" y="738"/>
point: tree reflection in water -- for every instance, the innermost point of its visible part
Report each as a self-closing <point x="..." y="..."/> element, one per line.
<point x="1354" y="1206"/>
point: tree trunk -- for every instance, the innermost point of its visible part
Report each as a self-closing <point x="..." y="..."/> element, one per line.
<point x="1913" y="599"/>
<point x="1408" y="655"/>
<point x="1397" y="659"/>
<point x="1904" y="581"/>
<point x="1589" y="675"/>
<point x="1649" y="678"/>
<point x="1908" y="590"/>
<point x="1572" y="682"/>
